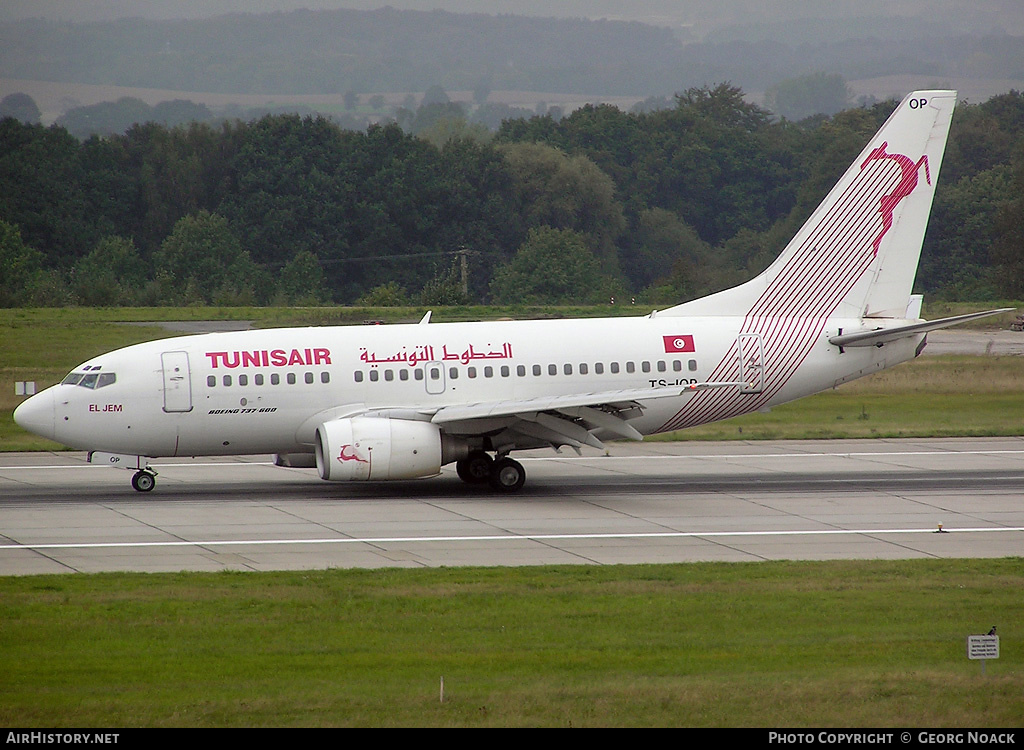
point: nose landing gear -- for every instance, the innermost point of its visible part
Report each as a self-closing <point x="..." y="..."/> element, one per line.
<point x="144" y="480"/>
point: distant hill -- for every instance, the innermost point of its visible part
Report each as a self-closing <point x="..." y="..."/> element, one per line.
<point x="318" y="53"/>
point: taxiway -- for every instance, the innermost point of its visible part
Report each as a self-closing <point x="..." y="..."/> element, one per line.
<point x="644" y="503"/>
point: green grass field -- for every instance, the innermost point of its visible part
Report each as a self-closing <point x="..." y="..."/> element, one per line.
<point x="779" y="644"/>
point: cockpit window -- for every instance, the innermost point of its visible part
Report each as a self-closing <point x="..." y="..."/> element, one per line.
<point x="91" y="380"/>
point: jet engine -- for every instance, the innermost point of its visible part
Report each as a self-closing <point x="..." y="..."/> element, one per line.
<point x="369" y="448"/>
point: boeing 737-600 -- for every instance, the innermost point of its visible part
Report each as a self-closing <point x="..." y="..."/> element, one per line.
<point x="401" y="401"/>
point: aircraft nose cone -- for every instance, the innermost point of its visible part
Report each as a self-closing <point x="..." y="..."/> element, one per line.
<point x="37" y="414"/>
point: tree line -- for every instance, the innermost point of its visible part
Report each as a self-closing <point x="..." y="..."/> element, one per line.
<point x="658" y="206"/>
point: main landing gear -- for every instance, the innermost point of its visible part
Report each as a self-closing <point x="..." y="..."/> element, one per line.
<point x="503" y="474"/>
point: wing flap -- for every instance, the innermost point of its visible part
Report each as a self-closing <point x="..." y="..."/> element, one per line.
<point x="618" y="400"/>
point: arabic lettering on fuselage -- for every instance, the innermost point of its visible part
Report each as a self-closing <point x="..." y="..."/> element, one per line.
<point x="415" y="355"/>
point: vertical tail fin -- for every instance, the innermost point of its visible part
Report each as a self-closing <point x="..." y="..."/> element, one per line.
<point x="857" y="255"/>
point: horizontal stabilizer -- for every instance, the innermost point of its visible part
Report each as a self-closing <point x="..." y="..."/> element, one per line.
<point x="879" y="336"/>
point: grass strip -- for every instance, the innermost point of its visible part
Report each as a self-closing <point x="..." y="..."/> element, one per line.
<point x="791" y="644"/>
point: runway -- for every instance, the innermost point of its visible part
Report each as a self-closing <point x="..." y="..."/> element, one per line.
<point x="645" y="503"/>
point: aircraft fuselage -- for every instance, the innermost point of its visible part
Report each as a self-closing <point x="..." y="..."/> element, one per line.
<point x="266" y="391"/>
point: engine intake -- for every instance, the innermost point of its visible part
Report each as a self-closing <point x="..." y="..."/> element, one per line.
<point x="368" y="448"/>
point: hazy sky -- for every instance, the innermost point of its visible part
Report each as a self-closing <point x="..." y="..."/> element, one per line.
<point x="1008" y="15"/>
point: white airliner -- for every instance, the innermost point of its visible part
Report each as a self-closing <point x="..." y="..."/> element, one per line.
<point x="399" y="402"/>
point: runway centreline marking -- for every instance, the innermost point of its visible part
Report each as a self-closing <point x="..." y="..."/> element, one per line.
<point x="505" y="538"/>
<point x="702" y="456"/>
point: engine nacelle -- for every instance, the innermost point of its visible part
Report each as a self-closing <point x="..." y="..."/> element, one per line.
<point x="367" y="448"/>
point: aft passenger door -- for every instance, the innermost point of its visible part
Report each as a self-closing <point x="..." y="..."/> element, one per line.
<point x="751" y="362"/>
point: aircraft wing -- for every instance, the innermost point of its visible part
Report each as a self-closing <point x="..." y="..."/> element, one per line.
<point x="879" y="336"/>
<point x="563" y="420"/>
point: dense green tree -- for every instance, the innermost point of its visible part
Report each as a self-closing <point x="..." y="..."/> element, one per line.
<point x="20" y="267"/>
<point x="566" y="192"/>
<point x="385" y="295"/>
<point x="301" y="281"/>
<point x="204" y="261"/>
<point x="553" y="266"/>
<point x="714" y="159"/>
<point x="447" y="129"/>
<point x="294" y="188"/>
<point x="664" y="247"/>
<point x="955" y="260"/>
<point x="41" y="190"/>
<point x="683" y="199"/>
<point x="444" y="289"/>
<point x="433" y="115"/>
<point x="1008" y="244"/>
<point x="111" y="274"/>
<point x="977" y="142"/>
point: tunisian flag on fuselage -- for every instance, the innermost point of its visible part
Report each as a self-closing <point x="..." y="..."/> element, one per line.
<point x="675" y="344"/>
